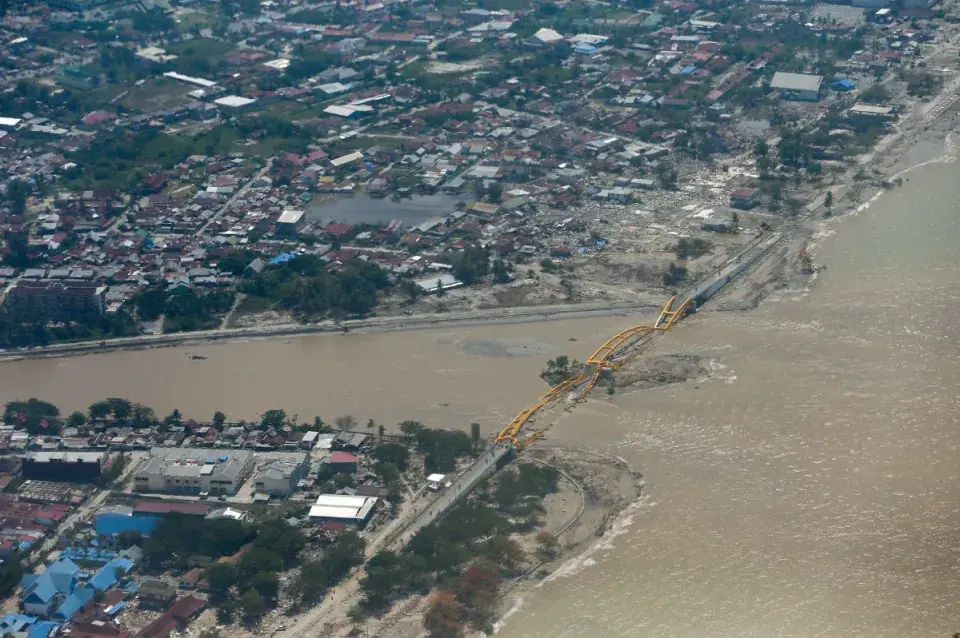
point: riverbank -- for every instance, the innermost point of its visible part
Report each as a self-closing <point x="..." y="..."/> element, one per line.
<point x="594" y="489"/>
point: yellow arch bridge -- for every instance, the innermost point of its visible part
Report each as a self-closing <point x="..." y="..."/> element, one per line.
<point x="616" y="351"/>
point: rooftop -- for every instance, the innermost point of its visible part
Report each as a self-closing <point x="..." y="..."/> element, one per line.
<point x="796" y="81"/>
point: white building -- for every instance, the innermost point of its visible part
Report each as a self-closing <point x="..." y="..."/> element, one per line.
<point x="192" y="471"/>
<point x="797" y="86"/>
<point x="278" y="473"/>
<point x="343" y="509"/>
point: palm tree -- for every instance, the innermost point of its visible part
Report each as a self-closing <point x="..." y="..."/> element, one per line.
<point x="371" y="424"/>
<point x="381" y="429"/>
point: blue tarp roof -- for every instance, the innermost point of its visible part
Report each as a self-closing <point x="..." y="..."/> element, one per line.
<point x="282" y="258"/>
<point x="688" y="69"/>
<point x="844" y="84"/>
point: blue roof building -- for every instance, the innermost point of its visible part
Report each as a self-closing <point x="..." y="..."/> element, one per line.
<point x="843" y="84"/>
<point x="12" y="623"/>
<point x="108" y="576"/>
<point x="42" y="629"/>
<point x="121" y="519"/>
<point x="21" y="624"/>
<point x="73" y="603"/>
<point x="42" y="593"/>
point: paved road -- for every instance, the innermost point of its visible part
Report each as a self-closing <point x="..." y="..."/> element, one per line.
<point x="463" y="485"/>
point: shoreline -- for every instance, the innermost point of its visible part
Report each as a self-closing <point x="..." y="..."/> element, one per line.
<point x="928" y="123"/>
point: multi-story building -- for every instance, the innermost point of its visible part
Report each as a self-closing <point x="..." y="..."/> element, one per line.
<point x="186" y="471"/>
<point x="57" y="298"/>
<point x="278" y="473"/>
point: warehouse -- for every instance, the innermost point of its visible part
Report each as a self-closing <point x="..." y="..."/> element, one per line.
<point x="343" y="509"/>
<point x="797" y="86"/>
<point x="74" y="467"/>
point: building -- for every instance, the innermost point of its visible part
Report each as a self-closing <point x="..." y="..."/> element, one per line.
<point x="176" y="618"/>
<point x="745" y="198"/>
<point x="156" y="594"/>
<point x="278" y="473"/>
<point x="192" y="471"/>
<point x="337" y="508"/>
<point x="57" y="298"/>
<point x="72" y="467"/>
<point x="143" y="517"/>
<point x="117" y="519"/>
<point x="869" y="111"/>
<point x="797" y="86"/>
<point x="43" y="593"/>
<point x="435" y="482"/>
<point x="720" y="223"/>
<point x="343" y="463"/>
<point x="290" y="223"/>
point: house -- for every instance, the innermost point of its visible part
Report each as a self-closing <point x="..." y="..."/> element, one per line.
<point x="177" y="618"/>
<point x="158" y="594"/>
<point x="96" y="630"/>
<point x="720" y="223"/>
<point x="43" y="593"/>
<point x="191" y="579"/>
<point x="745" y="198"/>
<point x="797" y="86"/>
<point x="290" y="223"/>
<point x="343" y="463"/>
<point x="435" y="481"/>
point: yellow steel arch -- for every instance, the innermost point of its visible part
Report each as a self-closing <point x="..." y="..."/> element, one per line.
<point x="606" y="357"/>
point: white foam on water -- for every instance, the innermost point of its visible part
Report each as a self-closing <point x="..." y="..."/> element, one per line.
<point x="618" y="528"/>
<point x="575" y="565"/>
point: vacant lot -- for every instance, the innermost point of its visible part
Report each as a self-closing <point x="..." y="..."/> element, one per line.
<point x="157" y="94"/>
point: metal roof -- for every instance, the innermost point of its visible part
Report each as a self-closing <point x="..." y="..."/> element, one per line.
<point x="796" y="81"/>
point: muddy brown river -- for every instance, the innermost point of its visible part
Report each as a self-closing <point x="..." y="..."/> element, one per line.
<point x="809" y="487"/>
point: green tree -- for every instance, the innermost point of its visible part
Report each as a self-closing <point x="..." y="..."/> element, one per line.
<point x="252" y="605"/>
<point x="99" y="410"/>
<point x="267" y="585"/>
<point x="219" y="418"/>
<point x="273" y="419"/>
<point x="38" y="417"/>
<point x="411" y="429"/>
<point x="393" y="453"/>
<point x="221" y="577"/>
<point x="143" y="416"/>
<point x="500" y="273"/>
<point x="77" y="418"/>
<point x="121" y="408"/>
<point x="445" y="616"/>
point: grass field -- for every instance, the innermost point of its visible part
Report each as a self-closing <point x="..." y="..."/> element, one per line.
<point x="157" y="94"/>
<point x="201" y="47"/>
